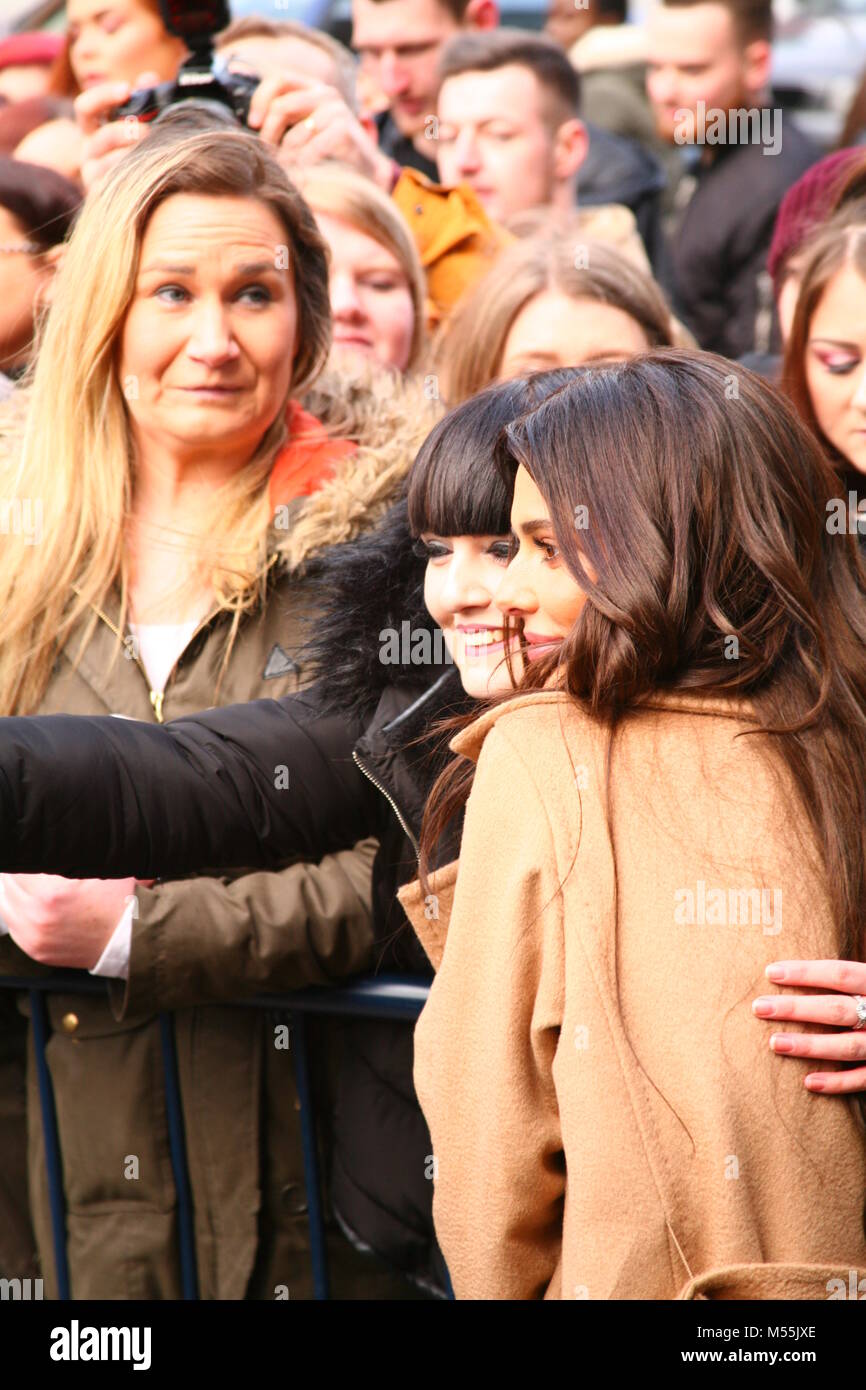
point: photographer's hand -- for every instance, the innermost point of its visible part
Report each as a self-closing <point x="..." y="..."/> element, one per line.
<point x="309" y="121"/>
<point x="107" y="141"/>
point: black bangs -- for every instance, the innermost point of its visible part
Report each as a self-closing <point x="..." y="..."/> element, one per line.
<point x="456" y="486"/>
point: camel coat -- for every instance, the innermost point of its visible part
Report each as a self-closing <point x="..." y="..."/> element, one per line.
<point x="608" y="1121"/>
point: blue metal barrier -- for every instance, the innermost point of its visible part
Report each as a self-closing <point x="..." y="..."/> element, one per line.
<point x="387" y="996"/>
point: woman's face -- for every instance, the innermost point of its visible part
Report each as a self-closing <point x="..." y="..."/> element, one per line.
<point x="536" y="586"/>
<point x="371" y="302"/>
<point x="554" y="330"/>
<point x="208" y="341"/>
<point x="836" y="365"/>
<point x="118" y="40"/>
<point x="462" y="576"/>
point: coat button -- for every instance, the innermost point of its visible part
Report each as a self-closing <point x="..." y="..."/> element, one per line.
<point x="69" y="1023"/>
<point x="293" y="1199"/>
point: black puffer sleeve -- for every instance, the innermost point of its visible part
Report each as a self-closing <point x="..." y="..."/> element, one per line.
<point x="250" y="786"/>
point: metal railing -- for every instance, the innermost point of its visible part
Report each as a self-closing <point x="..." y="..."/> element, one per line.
<point x="388" y="996"/>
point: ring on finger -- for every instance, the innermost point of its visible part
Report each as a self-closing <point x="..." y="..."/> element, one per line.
<point x="860" y="1005"/>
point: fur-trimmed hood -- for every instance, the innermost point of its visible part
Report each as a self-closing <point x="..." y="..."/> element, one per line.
<point x="389" y="418"/>
<point x="372" y="586"/>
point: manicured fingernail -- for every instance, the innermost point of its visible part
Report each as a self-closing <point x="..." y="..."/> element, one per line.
<point x="815" y="1083"/>
<point x="780" y="1043"/>
<point x="763" y="1007"/>
<point x="775" y="972"/>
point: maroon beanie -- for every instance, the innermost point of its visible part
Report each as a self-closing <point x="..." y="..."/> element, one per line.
<point x="807" y="202"/>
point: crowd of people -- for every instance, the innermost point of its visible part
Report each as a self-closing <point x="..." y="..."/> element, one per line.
<point x="430" y="520"/>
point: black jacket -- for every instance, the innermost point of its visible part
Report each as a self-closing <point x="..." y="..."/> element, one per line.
<point x="107" y="797"/>
<point x="400" y="148"/>
<point x="621" y="171"/>
<point x="718" y="251"/>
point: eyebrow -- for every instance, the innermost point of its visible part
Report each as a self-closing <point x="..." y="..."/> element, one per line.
<point x="834" y="342"/>
<point x="532" y="528"/>
<point x="379" y="267"/>
<point x="248" y="268"/>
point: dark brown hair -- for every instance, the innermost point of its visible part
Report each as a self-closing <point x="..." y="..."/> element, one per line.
<point x="490" y="49"/>
<point x="455" y="485"/>
<point x="840" y="241"/>
<point x="706" y="520"/>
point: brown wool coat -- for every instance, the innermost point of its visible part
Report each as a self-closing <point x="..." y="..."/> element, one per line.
<point x="607" y="1118"/>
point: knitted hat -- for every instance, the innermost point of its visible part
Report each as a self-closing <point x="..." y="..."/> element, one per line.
<point x="23" y="50"/>
<point x="807" y="202"/>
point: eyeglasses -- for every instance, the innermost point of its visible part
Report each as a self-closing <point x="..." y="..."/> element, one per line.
<point x="19" y="248"/>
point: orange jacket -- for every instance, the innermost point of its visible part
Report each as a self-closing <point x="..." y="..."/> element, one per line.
<point x="456" y="240"/>
<point x="308" y="460"/>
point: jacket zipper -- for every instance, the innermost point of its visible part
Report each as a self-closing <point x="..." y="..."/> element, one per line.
<point x="391" y="802"/>
<point x="156" y="696"/>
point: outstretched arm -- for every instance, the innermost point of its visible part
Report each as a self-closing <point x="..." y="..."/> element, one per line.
<point x="252" y="786"/>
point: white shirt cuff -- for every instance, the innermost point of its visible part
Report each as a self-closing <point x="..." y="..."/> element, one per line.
<point x="114" y="961"/>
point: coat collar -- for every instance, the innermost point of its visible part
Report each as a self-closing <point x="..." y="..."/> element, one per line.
<point x="430" y="915"/>
<point x="469" y="741"/>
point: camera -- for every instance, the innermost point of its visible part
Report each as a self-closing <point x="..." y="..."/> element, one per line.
<point x="195" y="23"/>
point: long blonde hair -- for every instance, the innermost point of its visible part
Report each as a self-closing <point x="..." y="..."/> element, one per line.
<point x="75" y="458"/>
<point x="339" y="191"/>
<point x="468" y="350"/>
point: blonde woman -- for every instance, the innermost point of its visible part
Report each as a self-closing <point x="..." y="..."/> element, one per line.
<point x="376" y="282"/>
<point x="176" y="487"/>
<point x="553" y="300"/>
